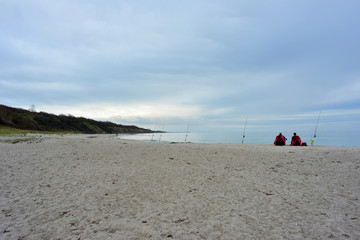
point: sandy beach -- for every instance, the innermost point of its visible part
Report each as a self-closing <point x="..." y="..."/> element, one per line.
<point x="99" y="187"/>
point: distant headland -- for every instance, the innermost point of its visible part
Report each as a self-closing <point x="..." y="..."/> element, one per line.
<point x="41" y="121"/>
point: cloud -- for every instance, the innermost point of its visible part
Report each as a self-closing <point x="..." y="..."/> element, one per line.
<point x="35" y="86"/>
<point x="347" y="92"/>
<point x="104" y="111"/>
<point x="215" y="62"/>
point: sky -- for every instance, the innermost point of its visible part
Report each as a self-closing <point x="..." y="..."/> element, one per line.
<point x="214" y="63"/>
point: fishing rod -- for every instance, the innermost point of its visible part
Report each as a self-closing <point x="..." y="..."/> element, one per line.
<point x="152" y="138"/>
<point x="244" y="131"/>
<point x="187" y="130"/>
<point x="317" y="124"/>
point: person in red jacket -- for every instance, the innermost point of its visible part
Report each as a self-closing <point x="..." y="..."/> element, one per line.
<point x="280" y="140"/>
<point x="295" y="140"/>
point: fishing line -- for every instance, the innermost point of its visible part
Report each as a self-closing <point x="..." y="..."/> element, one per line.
<point x="162" y="130"/>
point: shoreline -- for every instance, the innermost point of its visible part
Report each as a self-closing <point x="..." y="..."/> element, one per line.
<point x="34" y="136"/>
<point x="97" y="187"/>
<point x="211" y="137"/>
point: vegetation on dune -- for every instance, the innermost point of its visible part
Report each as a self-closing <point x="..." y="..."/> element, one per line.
<point x="20" y="121"/>
<point x="15" y="132"/>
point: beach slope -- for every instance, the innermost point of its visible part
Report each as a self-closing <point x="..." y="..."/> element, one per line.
<point x="99" y="187"/>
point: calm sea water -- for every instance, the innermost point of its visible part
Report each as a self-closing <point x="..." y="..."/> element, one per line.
<point x="329" y="138"/>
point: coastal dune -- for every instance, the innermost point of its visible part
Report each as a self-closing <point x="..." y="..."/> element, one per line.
<point x="101" y="187"/>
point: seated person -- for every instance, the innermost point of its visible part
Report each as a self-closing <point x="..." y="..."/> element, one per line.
<point x="295" y="140"/>
<point x="280" y="140"/>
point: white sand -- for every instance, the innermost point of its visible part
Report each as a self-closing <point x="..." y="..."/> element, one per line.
<point x="98" y="187"/>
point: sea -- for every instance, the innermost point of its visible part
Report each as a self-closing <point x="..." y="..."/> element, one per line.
<point x="326" y="138"/>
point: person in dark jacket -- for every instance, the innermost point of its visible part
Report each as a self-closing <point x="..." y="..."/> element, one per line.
<point x="295" y="140"/>
<point x="280" y="140"/>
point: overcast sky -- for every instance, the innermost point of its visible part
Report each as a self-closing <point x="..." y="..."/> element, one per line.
<point x="217" y="62"/>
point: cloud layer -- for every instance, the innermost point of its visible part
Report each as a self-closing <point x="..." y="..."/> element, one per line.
<point x="208" y="60"/>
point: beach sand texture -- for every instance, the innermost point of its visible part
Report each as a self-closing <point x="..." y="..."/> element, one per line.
<point x="99" y="187"/>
